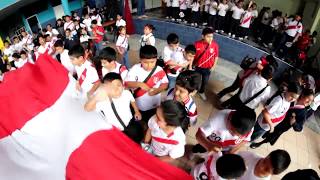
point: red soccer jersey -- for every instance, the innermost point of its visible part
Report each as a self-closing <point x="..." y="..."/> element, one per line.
<point x="99" y="37"/>
<point x="206" y="60"/>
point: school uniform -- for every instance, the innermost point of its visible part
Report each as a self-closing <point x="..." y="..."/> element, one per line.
<point x="207" y="169"/>
<point x="20" y="62"/>
<point x="204" y="64"/>
<point x="120" y="22"/>
<point x="212" y="14"/>
<point x="42" y="49"/>
<point x="52" y="32"/>
<point x="189" y="7"/>
<point x="80" y="25"/>
<point x="66" y="62"/>
<point x="204" y="7"/>
<point x="189" y="105"/>
<point x="163" y="144"/>
<point x="122" y="105"/>
<point x="68" y="25"/>
<point x="215" y="130"/>
<point x="8" y="52"/>
<point x="235" y="19"/>
<point x="251" y="159"/>
<point x="277" y="109"/>
<point x="17" y="47"/>
<point x="98" y="18"/>
<point x="123" y="43"/>
<point x="147" y="40"/>
<point x="175" y="9"/>
<point x="99" y="38"/>
<point x="245" y="24"/>
<point x="84" y="38"/>
<point x="146" y="103"/>
<point x="195" y="7"/>
<point x="168" y="8"/>
<point x="183" y="9"/>
<point x="120" y="69"/>
<point x="87" y="22"/>
<point x="222" y="11"/>
<point x="28" y="41"/>
<point x="87" y="77"/>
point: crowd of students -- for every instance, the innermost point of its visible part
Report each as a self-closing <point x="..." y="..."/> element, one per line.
<point x="153" y="102"/>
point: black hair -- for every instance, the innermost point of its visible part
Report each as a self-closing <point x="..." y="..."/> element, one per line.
<point x="15" y="37"/>
<point x="207" y="31"/>
<point x="305" y="174"/>
<point x="190" y="49"/>
<point x="94" y="21"/>
<point x="49" y="25"/>
<point x="172" y="38"/>
<point x="111" y="77"/>
<point x="6" y="41"/>
<point x="294" y="87"/>
<point x="267" y="72"/>
<point x="272" y="61"/>
<point x="150" y="26"/>
<point x="243" y="120"/>
<point x="314" y="33"/>
<point x="76" y="51"/>
<point x="148" y="52"/>
<point x="230" y="166"/>
<point x="175" y="114"/>
<point x="16" y="55"/>
<point x="108" y="54"/>
<point x="119" y="14"/>
<point x="68" y="29"/>
<point x="23" y="52"/>
<point x="58" y="43"/>
<point x="306" y="93"/>
<point x="191" y="80"/>
<point x="120" y="28"/>
<point x="280" y="160"/>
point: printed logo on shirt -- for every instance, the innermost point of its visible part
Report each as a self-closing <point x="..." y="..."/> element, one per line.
<point x="214" y="137"/>
<point x="155" y="80"/>
<point x="203" y="176"/>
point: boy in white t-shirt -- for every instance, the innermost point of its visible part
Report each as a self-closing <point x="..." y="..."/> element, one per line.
<point x="219" y="167"/>
<point x="175" y="7"/>
<point x="245" y="22"/>
<point x="148" y="81"/>
<point x="113" y="102"/>
<point x="259" y="168"/>
<point x="183" y="11"/>
<point x="120" y="21"/>
<point x="88" y="79"/>
<point x="168" y="8"/>
<point x="107" y="57"/>
<point x="213" y="8"/>
<point x="195" y="12"/>
<point x="222" y="11"/>
<point x="87" y="22"/>
<point x="68" y="24"/>
<point x="226" y="130"/>
<point x="64" y="56"/>
<point x="237" y="12"/>
<point x="148" y="38"/>
<point x="122" y="46"/>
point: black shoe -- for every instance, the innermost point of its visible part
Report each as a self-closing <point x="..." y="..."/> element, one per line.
<point x="254" y="145"/>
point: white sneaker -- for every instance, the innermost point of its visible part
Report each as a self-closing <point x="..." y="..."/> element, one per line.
<point x="233" y="36"/>
<point x="265" y="45"/>
<point x="204" y="24"/>
<point x="240" y="38"/>
<point x="229" y="34"/>
<point x="195" y="24"/>
<point x="192" y="24"/>
<point x="167" y="17"/>
<point x="173" y="19"/>
<point x="203" y="96"/>
<point x="222" y="31"/>
<point x="186" y="22"/>
<point x="246" y="37"/>
<point x="217" y="31"/>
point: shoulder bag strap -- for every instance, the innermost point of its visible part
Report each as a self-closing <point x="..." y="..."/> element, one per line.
<point x="256" y="95"/>
<point x="116" y="113"/>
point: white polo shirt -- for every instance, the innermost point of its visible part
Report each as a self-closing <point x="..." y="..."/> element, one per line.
<point x="277" y="108"/>
<point x="68" y="25"/>
<point x="122" y="41"/>
<point x="175" y="56"/>
<point x="195" y="7"/>
<point x="28" y="40"/>
<point x="120" y="69"/>
<point x="316" y="102"/>
<point x="213" y="8"/>
<point x="88" y="75"/>
<point x="222" y="9"/>
<point x="42" y="49"/>
<point x="200" y="171"/>
<point x="246" y="19"/>
<point x="87" y="22"/>
<point x="138" y="74"/>
<point x="122" y="105"/>
<point x="168" y="3"/>
<point x="293" y="27"/>
<point x="17" y="47"/>
<point x="251" y="159"/>
<point x="8" y="52"/>
<point x="183" y="4"/>
<point x="20" y="63"/>
<point x="53" y="32"/>
<point x="175" y="3"/>
<point x="147" y="39"/>
<point x="215" y="129"/>
<point x="121" y="22"/>
<point x="237" y="12"/>
<point x="251" y="86"/>
<point x="163" y="144"/>
<point x="66" y="62"/>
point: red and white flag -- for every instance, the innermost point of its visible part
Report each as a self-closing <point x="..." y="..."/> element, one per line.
<point x="45" y="134"/>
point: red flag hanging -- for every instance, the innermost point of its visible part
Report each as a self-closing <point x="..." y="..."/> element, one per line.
<point x="128" y="17"/>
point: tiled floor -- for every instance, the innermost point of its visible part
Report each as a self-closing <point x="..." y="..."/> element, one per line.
<point x="304" y="147"/>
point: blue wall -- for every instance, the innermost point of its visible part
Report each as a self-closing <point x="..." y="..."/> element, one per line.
<point x="230" y="49"/>
<point x="6" y="3"/>
<point x="46" y="15"/>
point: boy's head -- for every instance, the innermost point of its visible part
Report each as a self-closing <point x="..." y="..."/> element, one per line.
<point x="108" y="57"/>
<point x="240" y="4"/>
<point x="148" y="57"/>
<point x="24" y="33"/>
<point x="76" y="54"/>
<point x="94" y="23"/>
<point x="173" y="41"/>
<point x="275" y="163"/>
<point x="49" y="27"/>
<point x="68" y="32"/>
<point x="298" y="17"/>
<point x="113" y="82"/>
<point x="293" y="92"/>
<point x="6" y="44"/>
<point x="15" y="56"/>
<point x="306" y="97"/>
<point x="119" y="16"/>
<point x="230" y="166"/>
<point x="15" y="40"/>
<point x="267" y="72"/>
<point x="68" y="18"/>
<point x="242" y="121"/>
<point x="59" y="46"/>
<point x="187" y="84"/>
<point x="314" y="34"/>
<point x="207" y="35"/>
<point x="23" y="54"/>
<point x="189" y="52"/>
<point x="42" y="40"/>
<point x="122" y="30"/>
<point x="148" y="28"/>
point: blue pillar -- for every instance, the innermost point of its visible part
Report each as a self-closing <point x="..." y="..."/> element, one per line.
<point x="65" y="6"/>
<point x="26" y="24"/>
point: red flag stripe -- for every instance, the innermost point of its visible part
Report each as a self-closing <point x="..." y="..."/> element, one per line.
<point x="165" y="141"/>
<point x="151" y="82"/>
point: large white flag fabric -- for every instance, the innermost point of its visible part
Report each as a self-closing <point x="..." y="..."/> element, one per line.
<point x="46" y="135"/>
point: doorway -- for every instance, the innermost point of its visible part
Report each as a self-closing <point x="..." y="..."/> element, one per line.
<point x="34" y="23"/>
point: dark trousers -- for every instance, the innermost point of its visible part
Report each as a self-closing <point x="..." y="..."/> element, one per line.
<point x="195" y="17"/>
<point x="205" y="74"/>
<point x="146" y="115"/>
<point x="169" y="11"/>
<point x="188" y="15"/>
<point x="234" y="86"/>
<point x="257" y="132"/>
<point x="175" y="12"/>
<point x="282" y="45"/>
<point x="268" y="35"/>
<point x="134" y="131"/>
<point x="220" y="23"/>
<point x="212" y="21"/>
<point x="234" y="26"/>
<point x="140" y="7"/>
<point x="243" y="32"/>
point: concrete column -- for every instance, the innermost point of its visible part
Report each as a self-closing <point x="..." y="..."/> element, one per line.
<point x="65" y="6"/>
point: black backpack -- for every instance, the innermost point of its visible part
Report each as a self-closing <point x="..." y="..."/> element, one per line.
<point x="247" y="62"/>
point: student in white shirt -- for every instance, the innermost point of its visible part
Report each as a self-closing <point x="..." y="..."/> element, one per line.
<point x="68" y="24"/>
<point x="183" y="11"/>
<point x="87" y="22"/>
<point x="8" y="51"/>
<point x="175" y="4"/>
<point x="219" y="167"/>
<point x="27" y="41"/>
<point x="78" y="25"/>
<point x="195" y="12"/>
<point x="122" y="45"/>
<point x="166" y="129"/>
<point x="222" y="11"/>
<point x="169" y="12"/>
<point x="120" y="21"/>
<point x="204" y="11"/>
<point x="262" y="168"/>
<point x="237" y="12"/>
<point x="271" y="31"/>
<point x="113" y="102"/>
<point x="245" y="22"/>
<point x="84" y="37"/>
<point x="108" y="59"/>
<point x="213" y="8"/>
<point x="17" y="45"/>
<point x="43" y="47"/>
<point x="64" y="56"/>
<point x="51" y="31"/>
<point x="88" y="79"/>
<point x="226" y="130"/>
<point x="26" y="57"/>
<point x="148" y="38"/>
<point x="97" y="17"/>
<point x="275" y="110"/>
<point x="147" y="92"/>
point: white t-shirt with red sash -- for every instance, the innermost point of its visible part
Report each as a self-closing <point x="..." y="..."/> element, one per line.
<point x="87" y="76"/>
<point x="42" y="50"/>
<point x="207" y="169"/>
<point x="277" y="108"/>
<point x="246" y="19"/>
<point x="120" y="69"/>
<point x="138" y="74"/>
<point x="294" y="27"/>
<point x="163" y="144"/>
<point x="68" y="25"/>
<point x="216" y="131"/>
